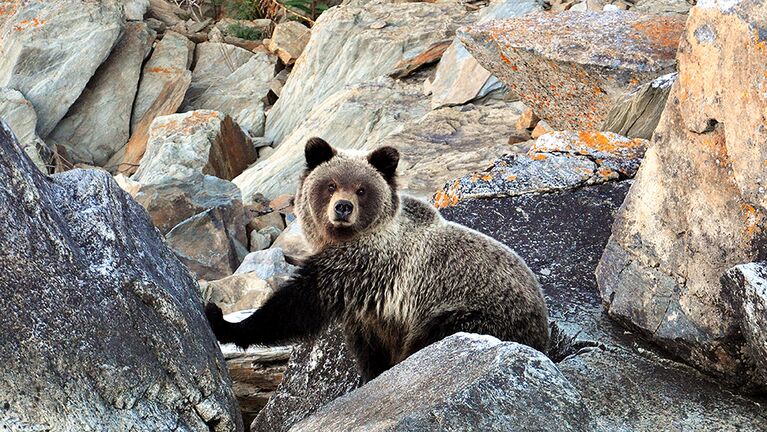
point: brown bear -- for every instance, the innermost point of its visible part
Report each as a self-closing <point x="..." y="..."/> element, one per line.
<point x="388" y="267"/>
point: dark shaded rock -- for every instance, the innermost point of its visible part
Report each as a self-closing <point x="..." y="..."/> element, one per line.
<point x="103" y="327"/>
<point x="627" y="384"/>
<point x="464" y="382"/>
<point x="318" y="372"/>
<point x="745" y="286"/>
<point x="571" y="67"/>
<point x="698" y="206"/>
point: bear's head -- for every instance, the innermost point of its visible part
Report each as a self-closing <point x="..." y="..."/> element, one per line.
<point x="344" y="195"/>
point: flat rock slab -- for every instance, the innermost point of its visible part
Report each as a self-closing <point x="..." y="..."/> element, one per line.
<point x="570" y="67"/>
<point x="463" y="382"/>
<point x="555" y="161"/>
<point x="104" y="327"/>
<point x="98" y="124"/>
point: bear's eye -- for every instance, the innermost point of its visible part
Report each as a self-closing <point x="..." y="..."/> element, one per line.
<point x="332" y="187"/>
<point x="361" y="191"/>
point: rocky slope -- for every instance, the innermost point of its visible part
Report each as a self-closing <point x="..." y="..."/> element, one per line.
<point x="524" y="119"/>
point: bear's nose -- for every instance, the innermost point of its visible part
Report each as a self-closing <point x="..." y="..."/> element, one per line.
<point x="344" y="209"/>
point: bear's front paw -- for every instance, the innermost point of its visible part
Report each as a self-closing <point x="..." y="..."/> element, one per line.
<point x="215" y="317"/>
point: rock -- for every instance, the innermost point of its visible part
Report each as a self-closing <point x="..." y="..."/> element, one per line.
<point x="450" y="140"/>
<point x="135" y="9"/>
<point x="293" y="243"/>
<point x="701" y="186"/>
<point x="627" y="384"/>
<point x="259" y="241"/>
<point x="557" y="160"/>
<point x="106" y="100"/>
<point x="83" y="241"/>
<point x="266" y="264"/>
<point x="637" y="114"/>
<point x="170" y="60"/>
<point x="237" y="292"/>
<point x="430" y="55"/>
<point x="459" y="78"/>
<point x="270" y="233"/>
<point x="51" y="49"/>
<point x="630" y="392"/>
<point x="318" y="372"/>
<point x="208" y="142"/>
<point x="242" y="93"/>
<point x="745" y="287"/>
<point x="211" y="244"/>
<point x="527" y="120"/>
<point x="156" y="25"/>
<point x="272" y="219"/>
<point x="571" y="67"/>
<point x="250" y="45"/>
<point x="171" y="201"/>
<point x="166" y="12"/>
<point x="541" y="128"/>
<point x="663" y="7"/>
<point x="344" y="50"/>
<point x="19" y="115"/>
<point x="505" y="384"/>
<point x="358" y="117"/>
<point x="434" y="145"/>
<point x="213" y="62"/>
<point x="289" y="40"/>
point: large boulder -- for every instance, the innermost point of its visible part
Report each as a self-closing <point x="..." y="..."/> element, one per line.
<point x="697" y="207"/>
<point x="203" y="141"/>
<point x="459" y="78"/>
<point x="98" y="124"/>
<point x="433" y="144"/>
<point x="637" y="113"/>
<point x="214" y="61"/>
<point x="464" y="382"/>
<point x="352" y="44"/>
<point x="51" y="49"/>
<point x="19" y="115"/>
<point x="104" y="326"/>
<point x="571" y="67"/>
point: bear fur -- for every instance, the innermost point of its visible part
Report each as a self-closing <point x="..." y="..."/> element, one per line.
<point x="390" y="269"/>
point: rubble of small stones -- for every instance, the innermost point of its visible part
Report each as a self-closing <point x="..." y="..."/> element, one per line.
<point x="616" y="145"/>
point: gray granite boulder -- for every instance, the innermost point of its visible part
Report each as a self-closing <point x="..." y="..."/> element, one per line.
<point x="103" y="327"/>
<point x="464" y="382"/>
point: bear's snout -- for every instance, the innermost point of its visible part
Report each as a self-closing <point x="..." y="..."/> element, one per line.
<point x="343" y="209"/>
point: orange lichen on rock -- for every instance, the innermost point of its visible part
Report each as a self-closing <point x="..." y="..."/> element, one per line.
<point x="34" y="23"/>
<point x="664" y="32"/>
<point x="170" y="70"/>
<point x="487" y="177"/>
<point x="751" y="218"/>
<point x="444" y="199"/>
<point x="538" y="157"/>
<point x="9" y="8"/>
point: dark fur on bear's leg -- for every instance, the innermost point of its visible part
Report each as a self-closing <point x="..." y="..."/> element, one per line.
<point x="372" y="358"/>
<point x="295" y="311"/>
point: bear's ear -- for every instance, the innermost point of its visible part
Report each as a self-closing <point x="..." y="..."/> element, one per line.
<point x="385" y="160"/>
<point x="317" y="151"/>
